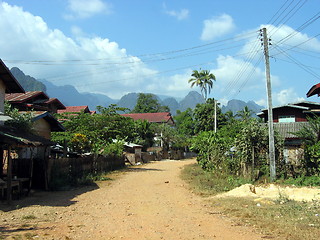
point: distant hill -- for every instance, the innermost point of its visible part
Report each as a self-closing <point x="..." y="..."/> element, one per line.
<point x="27" y="82"/>
<point x="69" y="96"/>
<point x="172" y="103"/>
<point x="238" y="105"/>
<point x="191" y="101"/>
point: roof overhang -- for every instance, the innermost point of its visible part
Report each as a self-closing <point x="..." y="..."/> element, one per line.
<point x="11" y="83"/>
<point x="12" y="136"/>
<point x="315" y="89"/>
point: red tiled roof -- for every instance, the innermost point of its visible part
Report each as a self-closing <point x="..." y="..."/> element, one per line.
<point x="162" y="117"/>
<point x="23" y="97"/>
<point x="74" y="109"/>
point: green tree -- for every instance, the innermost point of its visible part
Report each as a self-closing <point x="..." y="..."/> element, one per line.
<point x="93" y="133"/>
<point x="245" y="114"/>
<point x="229" y="116"/>
<point x="144" y="133"/>
<point x="184" y="122"/>
<point x="22" y="121"/>
<point x="203" y="79"/>
<point x="147" y="103"/>
<point x="204" y="116"/>
<point x="310" y="135"/>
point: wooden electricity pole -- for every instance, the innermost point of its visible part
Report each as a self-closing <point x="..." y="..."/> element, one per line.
<point x="215" y="115"/>
<point x="270" y="114"/>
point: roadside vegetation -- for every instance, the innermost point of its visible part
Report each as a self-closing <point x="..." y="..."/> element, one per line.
<point x="237" y="153"/>
<point x="278" y="219"/>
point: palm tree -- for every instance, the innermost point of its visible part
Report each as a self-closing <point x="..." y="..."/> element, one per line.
<point x="245" y="113"/>
<point x="203" y="79"/>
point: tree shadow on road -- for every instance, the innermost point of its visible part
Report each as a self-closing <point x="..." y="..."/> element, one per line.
<point x="48" y="198"/>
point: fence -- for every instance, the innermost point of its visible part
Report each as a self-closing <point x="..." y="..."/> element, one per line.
<point x="65" y="172"/>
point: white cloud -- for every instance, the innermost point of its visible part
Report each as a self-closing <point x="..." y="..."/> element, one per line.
<point x="261" y="102"/>
<point x="180" y="15"/>
<point x="230" y="80"/>
<point x="86" y="9"/>
<point x="217" y="27"/>
<point x="280" y="41"/>
<point x="286" y="96"/>
<point x="90" y="64"/>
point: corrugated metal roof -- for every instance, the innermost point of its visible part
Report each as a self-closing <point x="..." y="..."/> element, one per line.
<point x="74" y="109"/>
<point x="286" y="130"/>
<point x="162" y="117"/>
<point x="23" y="97"/>
<point x="16" y="136"/>
<point x="59" y="104"/>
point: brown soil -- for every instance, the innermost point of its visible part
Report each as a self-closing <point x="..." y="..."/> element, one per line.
<point x="149" y="202"/>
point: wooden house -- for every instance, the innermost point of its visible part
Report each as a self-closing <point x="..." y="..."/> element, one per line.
<point x="288" y="119"/>
<point x="34" y="100"/>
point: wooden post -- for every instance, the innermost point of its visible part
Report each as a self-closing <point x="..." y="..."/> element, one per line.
<point x="9" y="177"/>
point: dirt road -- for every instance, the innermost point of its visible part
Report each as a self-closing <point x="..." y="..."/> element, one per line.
<point x="150" y="202"/>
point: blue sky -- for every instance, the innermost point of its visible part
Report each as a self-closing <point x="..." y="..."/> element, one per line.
<point x="115" y="47"/>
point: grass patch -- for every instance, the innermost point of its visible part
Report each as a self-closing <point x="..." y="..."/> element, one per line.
<point x="29" y="217"/>
<point x="288" y="220"/>
<point x="301" y="181"/>
<point x="280" y="219"/>
<point x="209" y="183"/>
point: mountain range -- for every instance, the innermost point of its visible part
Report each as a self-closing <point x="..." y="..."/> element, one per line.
<point x="69" y="96"/>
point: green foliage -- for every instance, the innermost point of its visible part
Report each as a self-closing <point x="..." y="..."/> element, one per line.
<point x="209" y="182"/>
<point x="114" y="149"/>
<point x="96" y="131"/>
<point x="235" y="149"/>
<point x="245" y="114"/>
<point x="301" y="181"/>
<point x="310" y="135"/>
<point x="204" y="116"/>
<point x="170" y="137"/>
<point x="22" y="121"/>
<point x="147" y="103"/>
<point x="144" y="133"/>
<point x="184" y="122"/>
<point x="311" y="163"/>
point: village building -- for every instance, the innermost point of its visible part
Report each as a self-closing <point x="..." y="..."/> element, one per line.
<point x="34" y="100"/>
<point x="288" y="119"/>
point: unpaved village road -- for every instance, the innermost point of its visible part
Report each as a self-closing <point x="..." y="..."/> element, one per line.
<point x="149" y="202"/>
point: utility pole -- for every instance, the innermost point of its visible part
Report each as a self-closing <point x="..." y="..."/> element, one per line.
<point x="215" y="115"/>
<point x="270" y="114"/>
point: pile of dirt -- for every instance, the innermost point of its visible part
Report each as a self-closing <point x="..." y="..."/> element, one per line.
<point x="275" y="192"/>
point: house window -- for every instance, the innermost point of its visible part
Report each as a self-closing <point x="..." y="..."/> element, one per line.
<point x="288" y="118"/>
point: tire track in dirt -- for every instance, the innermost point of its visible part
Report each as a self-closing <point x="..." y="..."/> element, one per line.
<point x="149" y="202"/>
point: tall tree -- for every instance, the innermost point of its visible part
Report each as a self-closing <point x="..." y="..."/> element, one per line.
<point x="204" y="116"/>
<point x="147" y="103"/>
<point x="203" y="79"/>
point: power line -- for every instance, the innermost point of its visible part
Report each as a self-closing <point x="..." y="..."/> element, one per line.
<point x="298" y="63"/>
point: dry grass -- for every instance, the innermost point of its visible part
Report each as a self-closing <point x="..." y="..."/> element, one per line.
<point x="280" y="219"/>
